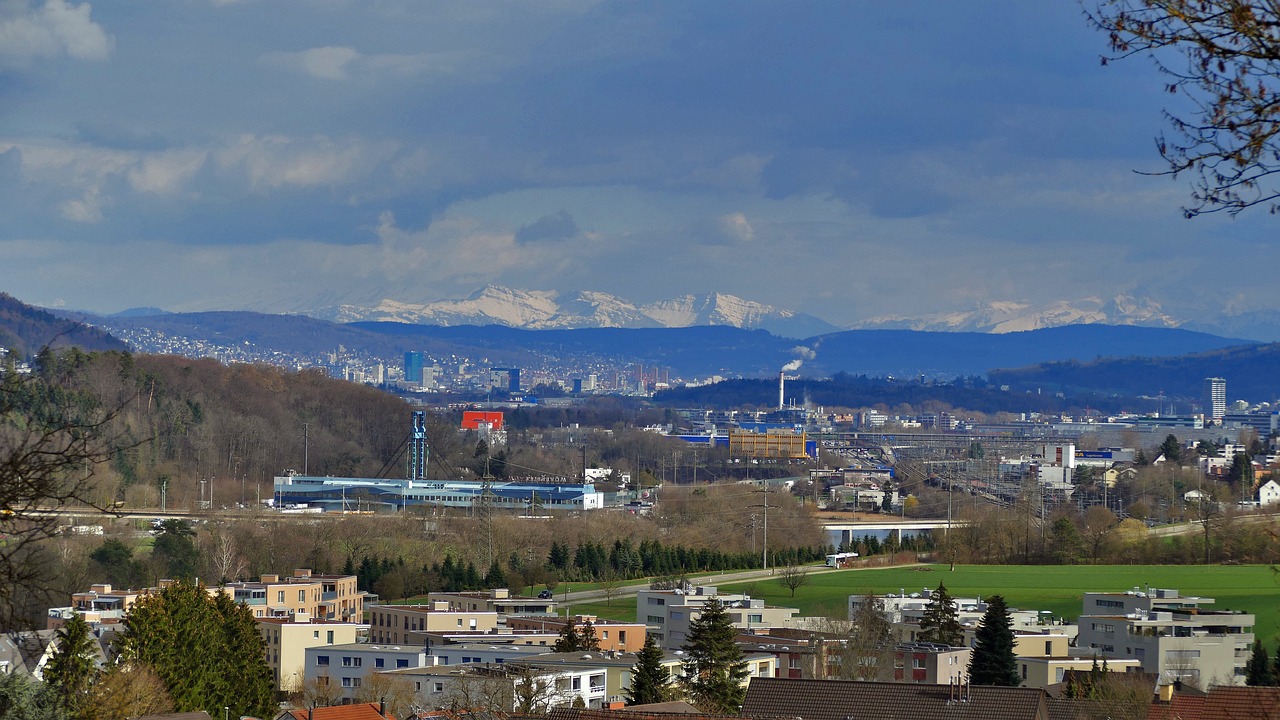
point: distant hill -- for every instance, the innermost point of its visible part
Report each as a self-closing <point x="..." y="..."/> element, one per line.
<point x="26" y="329"/>
<point x="947" y="354"/>
<point x="697" y="351"/>
<point x="1252" y="373"/>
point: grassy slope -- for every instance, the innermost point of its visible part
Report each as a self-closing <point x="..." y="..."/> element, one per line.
<point x="1252" y="588"/>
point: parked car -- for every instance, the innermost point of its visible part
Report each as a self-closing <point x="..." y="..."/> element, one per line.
<point x="544" y="595"/>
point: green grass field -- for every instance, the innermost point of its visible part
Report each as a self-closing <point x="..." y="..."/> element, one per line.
<point x="1057" y="588"/>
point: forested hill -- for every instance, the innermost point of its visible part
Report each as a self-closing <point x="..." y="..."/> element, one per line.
<point x="25" y="330"/>
<point x="1252" y="372"/>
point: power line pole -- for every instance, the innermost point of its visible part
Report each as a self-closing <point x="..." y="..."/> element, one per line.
<point x="764" y="561"/>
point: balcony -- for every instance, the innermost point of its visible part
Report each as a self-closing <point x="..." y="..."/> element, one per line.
<point x="332" y="595"/>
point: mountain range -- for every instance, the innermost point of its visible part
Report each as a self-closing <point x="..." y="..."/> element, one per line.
<point x="549" y="310"/>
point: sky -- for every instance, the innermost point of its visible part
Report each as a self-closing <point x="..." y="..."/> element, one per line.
<point x="846" y="159"/>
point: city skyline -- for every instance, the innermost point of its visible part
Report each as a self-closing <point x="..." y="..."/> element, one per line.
<point x="848" y="161"/>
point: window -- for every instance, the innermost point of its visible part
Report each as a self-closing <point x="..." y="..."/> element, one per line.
<point x="322" y="661"/>
<point x="403" y="663"/>
<point x="656" y="619"/>
<point x="1024" y="671"/>
<point x="280" y="596"/>
<point x="302" y="596"/>
<point x="315" y="634"/>
<point x="793" y="661"/>
<point x="677" y="615"/>
<point x="378" y="662"/>
<point x="1109" y="603"/>
<point x="1048" y="649"/>
<point x="604" y="634"/>
<point x="755" y="618"/>
<point x="329" y="636"/>
<point x="917" y="663"/>
<point x="352" y="661"/>
<point x="622" y="636"/>
<point x="657" y="601"/>
<point x="439" y="688"/>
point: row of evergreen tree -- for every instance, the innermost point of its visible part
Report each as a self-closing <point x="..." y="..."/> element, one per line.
<point x="586" y="562"/>
<point x="593" y="561"/>
<point x="868" y="545"/>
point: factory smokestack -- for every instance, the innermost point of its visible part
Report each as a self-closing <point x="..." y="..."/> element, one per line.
<point x="782" y="386"/>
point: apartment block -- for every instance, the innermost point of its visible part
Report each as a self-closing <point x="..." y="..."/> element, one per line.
<point x="411" y="624"/>
<point x="287" y="643"/>
<point x="667" y="613"/>
<point x="347" y="666"/>
<point x="614" y="635"/>
<point x="499" y="600"/>
<point x="330" y="597"/>
<point x="1171" y="635"/>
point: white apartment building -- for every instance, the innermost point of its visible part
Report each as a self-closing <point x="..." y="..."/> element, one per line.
<point x="667" y="613"/>
<point x="1171" y="635"/>
<point x="347" y="666"/>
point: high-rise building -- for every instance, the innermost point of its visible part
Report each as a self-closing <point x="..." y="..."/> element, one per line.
<point x="413" y="367"/>
<point x="1215" y="397"/>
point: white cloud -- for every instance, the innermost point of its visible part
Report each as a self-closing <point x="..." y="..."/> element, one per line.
<point x="275" y="161"/>
<point x="343" y="63"/>
<point x="86" y="209"/>
<point x="165" y="173"/>
<point x="736" y="226"/>
<point x="55" y="28"/>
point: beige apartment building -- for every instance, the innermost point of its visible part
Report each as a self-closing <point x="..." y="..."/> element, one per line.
<point x="411" y="624"/>
<point x="499" y="600"/>
<point x="328" y="597"/>
<point x="287" y="644"/>
<point x="614" y="635"/>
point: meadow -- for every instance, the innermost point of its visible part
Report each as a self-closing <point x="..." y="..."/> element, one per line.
<point x="1056" y="588"/>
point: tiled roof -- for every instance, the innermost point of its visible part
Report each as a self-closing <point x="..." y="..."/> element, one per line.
<point x="196" y="715"/>
<point x="677" y="706"/>
<point x="850" y="700"/>
<point x="1242" y="703"/>
<point x="588" y="714"/>
<point x="360" y="711"/>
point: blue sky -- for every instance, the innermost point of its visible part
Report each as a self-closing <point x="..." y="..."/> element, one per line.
<point x="846" y="159"/>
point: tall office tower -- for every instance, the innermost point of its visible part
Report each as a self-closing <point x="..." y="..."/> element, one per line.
<point x="1215" y="397"/>
<point x="413" y="367"/>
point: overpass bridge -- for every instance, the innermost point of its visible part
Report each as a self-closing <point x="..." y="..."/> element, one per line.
<point x="846" y="532"/>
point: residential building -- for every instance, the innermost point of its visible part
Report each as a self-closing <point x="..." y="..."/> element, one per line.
<point x="1269" y="493"/>
<point x="1214" y="396"/>
<point x="667" y="613"/>
<point x="287" y="643"/>
<point x="499" y="600"/>
<point x="1042" y="672"/>
<point x="346" y="666"/>
<point x="930" y="663"/>
<point x="328" y="597"/>
<point x="614" y="635"/>
<point x="99" y="605"/>
<point x="411" y="624"/>
<point x="495" y="686"/>
<point x="1173" y="636"/>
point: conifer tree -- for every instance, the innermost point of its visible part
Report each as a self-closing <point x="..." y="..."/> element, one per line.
<point x="206" y="649"/>
<point x="70" y="668"/>
<point x="941" y="621"/>
<point x="650" y="681"/>
<point x="993" y="661"/>
<point x="587" y="638"/>
<point x="1259" y="671"/>
<point x="713" y="666"/>
<point x="570" y="640"/>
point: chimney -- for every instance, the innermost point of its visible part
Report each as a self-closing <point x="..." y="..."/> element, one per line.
<point x="782" y="386"/>
<point x="382" y="707"/>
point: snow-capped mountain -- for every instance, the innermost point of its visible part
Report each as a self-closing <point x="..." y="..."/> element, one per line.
<point x="1011" y="316"/>
<point x="542" y="310"/>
